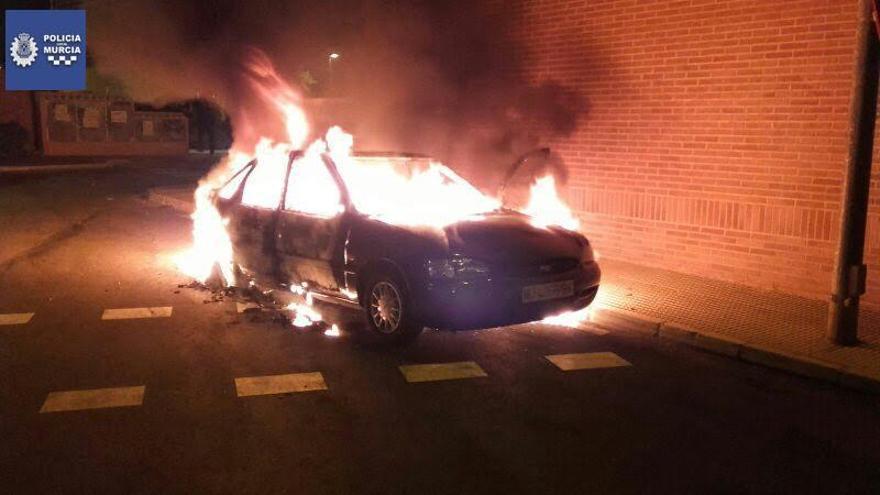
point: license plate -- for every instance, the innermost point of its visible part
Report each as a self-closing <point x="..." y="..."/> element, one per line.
<point x="544" y="292"/>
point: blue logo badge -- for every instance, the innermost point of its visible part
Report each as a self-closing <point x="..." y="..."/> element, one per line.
<point x="45" y="49"/>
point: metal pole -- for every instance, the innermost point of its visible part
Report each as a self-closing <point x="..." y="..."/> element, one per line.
<point x="849" y="270"/>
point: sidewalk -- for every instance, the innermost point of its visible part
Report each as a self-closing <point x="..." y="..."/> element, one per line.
<point x="758" y="326"/>
<point x="191" y="163"/>
<point x="41" y="165"/>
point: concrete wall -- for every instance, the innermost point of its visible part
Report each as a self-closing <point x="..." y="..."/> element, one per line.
<point x="77" y="124"/>
<point x="716" y="137"/>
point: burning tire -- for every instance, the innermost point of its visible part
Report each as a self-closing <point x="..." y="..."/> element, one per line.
<point x="388" y="310"/>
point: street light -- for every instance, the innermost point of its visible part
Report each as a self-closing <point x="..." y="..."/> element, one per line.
<point x="330" y="58"/>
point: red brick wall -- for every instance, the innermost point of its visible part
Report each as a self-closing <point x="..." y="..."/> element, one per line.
<point x="716" y="135"/>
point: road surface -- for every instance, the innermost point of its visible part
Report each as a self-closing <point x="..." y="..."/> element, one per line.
<point x="113" y="379"/>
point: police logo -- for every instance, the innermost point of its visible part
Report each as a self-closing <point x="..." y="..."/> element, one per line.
<point x="23" y="50"/>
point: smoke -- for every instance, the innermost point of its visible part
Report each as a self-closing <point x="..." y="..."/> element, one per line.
<point x="439" y="78"/>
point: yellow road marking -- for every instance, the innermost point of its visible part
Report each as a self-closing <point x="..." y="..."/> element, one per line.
<point x="587" y="361"/>
<point x="15" y="318"/>
<point x="441" y="371"/>
<point x="76" y="400"/>
<point x="279" y="384"/>
<point x="131" y="313"/>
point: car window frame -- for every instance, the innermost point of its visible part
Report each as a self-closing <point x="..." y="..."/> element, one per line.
<point x="239" y="191"/>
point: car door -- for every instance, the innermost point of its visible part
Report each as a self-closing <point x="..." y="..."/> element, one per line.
<point x="252" y="219"/>
<point x="311" y="225"/>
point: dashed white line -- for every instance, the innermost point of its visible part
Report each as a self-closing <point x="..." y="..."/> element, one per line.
<point x="15" y="318"/>
<point x="593" y="330"/>
<point x="279" y="384"/>
<point x="441" y="371"/>
<point x="242" y="307"/>
<point x="587" y="361"/>
<point x="77" y="400"/>
<point x="132" y="313"/>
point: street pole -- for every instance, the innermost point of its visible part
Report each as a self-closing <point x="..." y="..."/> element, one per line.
<point x="849" y="269"/>
<point x="330" y="58"/>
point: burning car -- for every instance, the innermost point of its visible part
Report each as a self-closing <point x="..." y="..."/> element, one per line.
<point x="399" y="236"/>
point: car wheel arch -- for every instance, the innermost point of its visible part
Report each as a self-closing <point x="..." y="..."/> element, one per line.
<point x="376" y="266"/>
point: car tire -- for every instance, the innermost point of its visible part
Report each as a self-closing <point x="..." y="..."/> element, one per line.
<point x="388" y="309"/>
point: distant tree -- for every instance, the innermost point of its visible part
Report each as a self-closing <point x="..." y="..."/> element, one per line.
<point x="105" y="85"/>
<point x="307" y="82"/>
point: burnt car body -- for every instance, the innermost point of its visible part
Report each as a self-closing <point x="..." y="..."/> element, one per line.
<point x="495" y="270"/>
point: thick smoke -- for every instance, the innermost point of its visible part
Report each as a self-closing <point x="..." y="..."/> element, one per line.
<point x="419" y="76"/>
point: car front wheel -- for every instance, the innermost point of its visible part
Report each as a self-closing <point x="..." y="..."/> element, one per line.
<point x="388" y="309"/>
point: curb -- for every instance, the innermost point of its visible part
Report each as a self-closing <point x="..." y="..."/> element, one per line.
<point x="737" y="349"/>
<point x="73" y="167"/>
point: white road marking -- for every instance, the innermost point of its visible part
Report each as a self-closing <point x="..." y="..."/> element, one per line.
<point x="131" y="313"/>
<point x="76" y="400"/>
<point x="241" y="307"/>
<point x="279" y="384"/>
<point x="593" y="330"/>
<point x="587" y="361"/>
<point x="415" y="373"/>
<point x="15" y="318"/>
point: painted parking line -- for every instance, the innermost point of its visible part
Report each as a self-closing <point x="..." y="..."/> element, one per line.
<point x="587" y="361"/>
<point x="415" y="373"/>
<point x="15" y="318"/>
<point x="99" y="398"/>
<point x="279" y="384"/>
<point x="132" y="313"/>
<point x="242" y="307"/>
<point x="593" y="330"/>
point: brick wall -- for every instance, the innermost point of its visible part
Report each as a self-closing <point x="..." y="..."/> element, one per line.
<point x="716" y="134"/>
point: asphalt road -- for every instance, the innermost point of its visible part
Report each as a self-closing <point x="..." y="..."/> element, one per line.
<point x="675" y="420"/>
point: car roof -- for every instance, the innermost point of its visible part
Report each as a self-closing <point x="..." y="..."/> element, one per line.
<point x="388" y="154"/>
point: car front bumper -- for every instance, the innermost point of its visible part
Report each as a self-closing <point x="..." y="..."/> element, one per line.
<point x="499" y="301"/>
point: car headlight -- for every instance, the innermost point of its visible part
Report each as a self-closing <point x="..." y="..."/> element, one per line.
<point x="456" y="267"/>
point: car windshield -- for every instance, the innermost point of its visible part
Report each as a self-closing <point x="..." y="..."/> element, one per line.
<point x="411" y="190"/>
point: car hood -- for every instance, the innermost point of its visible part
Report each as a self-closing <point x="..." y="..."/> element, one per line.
<point x="511" y="238"/>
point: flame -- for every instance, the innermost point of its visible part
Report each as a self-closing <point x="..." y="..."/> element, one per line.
<point x="411" y="191"/>
<point x="421" y="192"/>
<point x="211" y="244"/>
<point x="571" y="319"/>
<point x="333" y="331"/>
<point x="547" y="208"/>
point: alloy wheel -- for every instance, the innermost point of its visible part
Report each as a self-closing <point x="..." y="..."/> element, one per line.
<point x="385" y="307"/>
